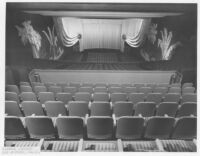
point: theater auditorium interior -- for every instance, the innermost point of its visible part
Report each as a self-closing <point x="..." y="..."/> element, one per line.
<point x="101" y="77"/>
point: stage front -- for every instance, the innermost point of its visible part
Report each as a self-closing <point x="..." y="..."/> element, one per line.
<point x="100" y="76"/>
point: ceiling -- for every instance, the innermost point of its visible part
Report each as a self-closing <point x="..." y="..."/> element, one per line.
<point x="104" y="10"/>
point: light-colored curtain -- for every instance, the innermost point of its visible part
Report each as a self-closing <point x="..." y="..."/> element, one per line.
<point x="101" y="33"/>
<point x="135" y="31"/>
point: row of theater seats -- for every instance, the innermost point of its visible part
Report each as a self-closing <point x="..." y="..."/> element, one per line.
<point x="127" y="128"/>
<point x="107" y="146"/>
<point x="91" y="88"/>
<point x="100" y="108"/>
<point x="113" y="97"/>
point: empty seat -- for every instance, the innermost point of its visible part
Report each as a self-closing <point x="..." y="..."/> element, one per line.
<point x="115" y="90"/>
<point x="187" y="84"/>
<point x="113" y="85"/>
<point x="37" y="84"/>
<point x="167" y="108"/>
<point x="118" y="97"/>
<point x="163" y="85"/>
<point x="189" y="97"/>
<point x="174" y="90"/>
<point x="151" y="85"/>
<point x="154" y="97"/>
<point x="185" y="128"/>
<point x="139" y="85"/>
<point x="12" y="96"/>
<point x="187" y="109"/>
<point x="55" y="89"/>
<point x="70" y="127"/>
<point x="129" y="90"/>
<point x="14" y="128"/>
<point x="23" y="83"/>
<point x="136" y="97"/>
<point x="38" y="89"/>
<point x="55" y="108"/>
<point x="78" y="108"/>
<point x="124" y="85"/>
<point x="32" y="107"/>
<point x="62" y="85"/>
<point x="129" y="128"/>
<point x="146" y="109"/>
<point x="175" y="85"/>
<point x="12" y="88"/>
<point x="145" y="90"/>
<point x="49" y="84"/>
<point x="82" y="96"/>
<point x="12" y="109"/>
<point x="186" y="90"/>
<point x="40" y="127"/>
<point x="28" y="96"/>
<point x="100" y="89"/>
<point x="86" y="89"/>
<point x="25" y="88"/>
<point x="64" y="97"/>
<point x="162" y="90"/>
<point x="46" y="96"/>
<point x="74" y="84"/>
<point x="159" y="127"/>
<point x="100" y="109"/>
<point x="100" y="127"/>
<point x="100" y="97"/>
<point x="87" y="85"/>
<point x="101" y="85"/>
<point x="122" y="108"/>
<point x="172" y="97"/>
<point x="71" y="90"/>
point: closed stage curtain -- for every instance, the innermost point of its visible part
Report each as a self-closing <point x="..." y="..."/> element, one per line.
<point x="101" y="33"/>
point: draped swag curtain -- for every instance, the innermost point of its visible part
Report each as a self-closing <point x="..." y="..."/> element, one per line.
<point x="101" y="33"/>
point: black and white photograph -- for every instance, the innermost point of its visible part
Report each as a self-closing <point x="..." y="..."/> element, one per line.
<point x="100" y="76"/>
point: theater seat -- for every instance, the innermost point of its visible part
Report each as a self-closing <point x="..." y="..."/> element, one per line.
<point x="64" y="97"/>
<point x="25" y="88"/>
<point x="129" y="90"/>
<point x="162" y="90"/>
<point x="146" y="109"/>
<point x="100" y="89"/>
<point x="78" y="108"/>
<point x="187" y="84"/>
<point x="82" y="96"/>
<point x="54" y="108"/>
<point x="23" y="83"/>
<point x="145" y="90"/>
<point x="55" y="89"/>
<point x="100" y="109"/>
<point x="115" y="90"/>
<point x="189" y="97"/>
<point x="154" y="97"/>
<point x="167" y="108"/>
<point x="86" y="89"/>
<point x="101" y="97"/>
<point x="12" y="96"/>
<point x="71" y="90"/>
<point x="100" y="127"/>
<point x="187" y="109"/>
<point x="32" y="107"/>
<point x="136" y="97"/>
<point x="28" y="96"/>
<point x="129" y="128"/>
<point x="122" y="108"/>
<point x="186" y="90"/>
<point x="185" y="128"/>
<point x="159" y="127"/>
<point x="172" y="97"/>
<point x="12" y="88"/>
<point x="70" y="127"/>
<point x="174" y="90"/>
<point x="14" y="128"/>
<point x="40" y="127"/>
<point x="46" y="96"/>
<point x="118" y="97"/>
<point x="38" y="89"/>
<point x="12" y="109"/>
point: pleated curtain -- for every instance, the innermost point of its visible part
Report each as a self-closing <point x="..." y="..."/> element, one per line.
<point x="101" y="33"/>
